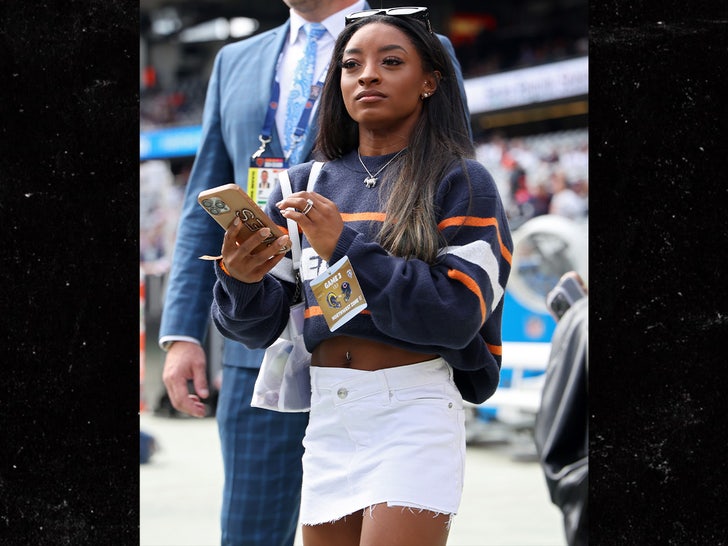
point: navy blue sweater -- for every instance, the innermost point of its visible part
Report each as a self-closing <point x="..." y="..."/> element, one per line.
<point x="452" y="308"/>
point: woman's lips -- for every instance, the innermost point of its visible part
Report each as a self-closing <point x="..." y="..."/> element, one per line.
<point x="370" y="96"/>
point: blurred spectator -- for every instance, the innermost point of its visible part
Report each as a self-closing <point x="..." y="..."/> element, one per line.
<point x="565" y="201"/>
<point x="540" y="199"/>
<point x="519" y="191"/>
<point x="160" y="201"/>
<point x="574" y="160"/>
<point x="519" y="152"/>
<point x="533" y="160"/>
<point x="520" y="206"/>
<point x="581" y="187"/>
<point x="181" y="105"/>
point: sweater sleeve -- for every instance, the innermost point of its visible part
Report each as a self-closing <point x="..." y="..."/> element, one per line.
<point x="443" y="304"/>
<point x="255" y="314"/>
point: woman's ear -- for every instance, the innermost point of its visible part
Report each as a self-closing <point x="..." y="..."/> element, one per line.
<point x="430" y="84"/>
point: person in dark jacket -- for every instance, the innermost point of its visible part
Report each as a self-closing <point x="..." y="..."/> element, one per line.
<point x="561" y="433"/>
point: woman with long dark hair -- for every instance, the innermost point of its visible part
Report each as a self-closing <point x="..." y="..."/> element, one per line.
<point x="404" y="210"/>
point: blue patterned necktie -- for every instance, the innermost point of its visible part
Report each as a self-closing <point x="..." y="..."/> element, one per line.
<point x="302" y="82"/>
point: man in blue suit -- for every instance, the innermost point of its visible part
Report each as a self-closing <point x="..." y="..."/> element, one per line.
<point x="261" y="449"/>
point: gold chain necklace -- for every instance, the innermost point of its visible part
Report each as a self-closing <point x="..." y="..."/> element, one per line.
<point x="371" y="180"/>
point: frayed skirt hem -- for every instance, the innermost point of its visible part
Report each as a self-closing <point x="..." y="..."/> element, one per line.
<point x="369" y="511"/>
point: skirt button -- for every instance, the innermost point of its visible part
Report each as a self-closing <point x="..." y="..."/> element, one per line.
<point x="342" y="393"/>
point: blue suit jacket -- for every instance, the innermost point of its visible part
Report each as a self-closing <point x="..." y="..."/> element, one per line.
<point x="237" y="100"/>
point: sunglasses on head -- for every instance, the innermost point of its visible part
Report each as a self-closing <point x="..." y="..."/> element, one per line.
<point x="421" y="14"/>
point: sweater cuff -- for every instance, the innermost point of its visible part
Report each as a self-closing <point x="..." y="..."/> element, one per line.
<point x="238" y="290"/>
<point x="222" y="266"/>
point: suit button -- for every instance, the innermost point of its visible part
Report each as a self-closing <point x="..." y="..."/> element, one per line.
<point x="342" y="393"/>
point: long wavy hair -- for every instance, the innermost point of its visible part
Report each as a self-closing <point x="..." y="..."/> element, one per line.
<point x="439" y="138"/>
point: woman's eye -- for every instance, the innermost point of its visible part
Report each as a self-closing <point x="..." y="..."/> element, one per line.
<point x="392" y="61"/>
<point x="348" y="64"/>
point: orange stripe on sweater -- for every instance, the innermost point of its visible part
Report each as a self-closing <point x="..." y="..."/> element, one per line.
<point x="495" y="349"/>
<point x="351" y="217"/>
<point x="472" y="286"/>
<point x="363" y="217"/>
<point x="312" y="312"/>
<point x="474" y="221"/>
<point x="315" y="311"/>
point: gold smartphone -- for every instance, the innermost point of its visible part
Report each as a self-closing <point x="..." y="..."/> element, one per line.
<point x="226" y="202"/>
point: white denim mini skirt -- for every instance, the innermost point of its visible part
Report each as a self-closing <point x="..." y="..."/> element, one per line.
<point x="394" y="436"/>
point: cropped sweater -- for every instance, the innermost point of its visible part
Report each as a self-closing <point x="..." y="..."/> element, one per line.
<point x="452" y="308"/>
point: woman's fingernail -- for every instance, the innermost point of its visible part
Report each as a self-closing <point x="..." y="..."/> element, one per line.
<point x="264" y="232"/>
<point x="236" y="221"/>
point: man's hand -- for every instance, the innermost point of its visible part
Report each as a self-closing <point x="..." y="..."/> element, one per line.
<point x="184" y="361"/>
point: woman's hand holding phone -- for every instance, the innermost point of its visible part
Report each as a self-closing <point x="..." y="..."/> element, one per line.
<point x="238" y="257"/>
<point x="253" y="243"/>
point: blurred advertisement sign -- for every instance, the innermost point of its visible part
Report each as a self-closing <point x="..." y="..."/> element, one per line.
<point x="170" y="142"/>
<point x="543" y="83"/>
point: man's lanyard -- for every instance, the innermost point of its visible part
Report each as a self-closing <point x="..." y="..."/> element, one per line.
<point x="270" y="116"/>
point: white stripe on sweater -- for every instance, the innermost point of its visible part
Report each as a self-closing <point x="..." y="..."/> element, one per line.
<point x="481" y="254"/>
